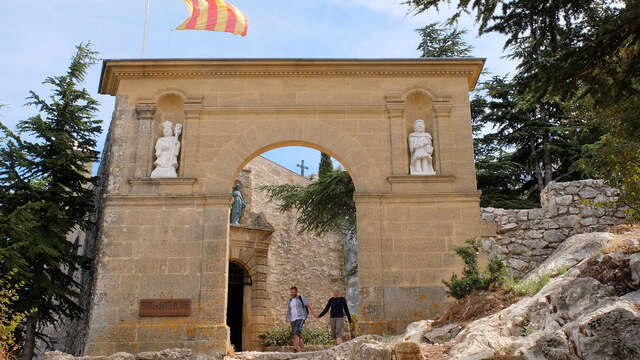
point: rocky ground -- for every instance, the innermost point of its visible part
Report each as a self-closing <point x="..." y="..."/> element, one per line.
<point x="589" y="309"/>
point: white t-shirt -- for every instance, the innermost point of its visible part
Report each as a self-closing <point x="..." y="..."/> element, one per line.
<point x="293" y="308"/>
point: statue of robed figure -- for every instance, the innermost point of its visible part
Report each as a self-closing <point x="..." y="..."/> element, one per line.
<point x="167" y="151"/>
<point x="238" y="205"/>
<point x="421" y="148"/>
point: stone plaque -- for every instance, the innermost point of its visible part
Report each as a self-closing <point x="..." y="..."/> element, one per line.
<point x="165" y="308"/>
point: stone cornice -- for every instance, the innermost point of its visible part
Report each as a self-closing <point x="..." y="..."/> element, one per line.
<point x="162" y="181"/>
<point x="421" y="179"/>
<point x="417" y="198"/>
<point x="168" y="200"/>
<point x="115" y="70"/>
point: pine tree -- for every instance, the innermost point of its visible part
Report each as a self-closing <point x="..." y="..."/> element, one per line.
<point x="326" y="166"/>
<point x="544" y="143"/>
<point x="46" y="194"/>
<point x="442" y="41"/>
<point x="323" y="206"/>
<point x="579" y="53"/>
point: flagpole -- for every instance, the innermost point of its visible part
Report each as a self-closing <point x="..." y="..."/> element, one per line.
<point x="146" y="29"/>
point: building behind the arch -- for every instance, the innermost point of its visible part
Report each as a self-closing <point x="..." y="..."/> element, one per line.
<point x="169" y="239"/>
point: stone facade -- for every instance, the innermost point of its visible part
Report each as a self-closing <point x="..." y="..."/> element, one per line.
<point x="171" y="239"/>
<point x="525" y="238"/>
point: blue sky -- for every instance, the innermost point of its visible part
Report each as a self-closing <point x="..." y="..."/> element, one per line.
<point x="37" y="39"/>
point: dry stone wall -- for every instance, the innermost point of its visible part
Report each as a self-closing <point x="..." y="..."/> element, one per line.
<point x="525" y="238"/>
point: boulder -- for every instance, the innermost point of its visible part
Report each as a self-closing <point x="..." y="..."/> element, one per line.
<point x="634" y="266"/>
<point x="570" y="252"/>
<point x="415" y="330"/>
<point x="610" y="331"/>
<point x="443" y="334"/>
<point x="553" y="346"/>
<point x="168" y="354"/>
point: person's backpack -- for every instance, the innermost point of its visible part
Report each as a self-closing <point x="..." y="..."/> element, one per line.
<point x="306" y="308"/>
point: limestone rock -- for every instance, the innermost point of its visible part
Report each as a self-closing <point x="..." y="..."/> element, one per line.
<point x="443" y="334"/>
<point x="570" y="252"/>
<point x="634" y="265"/>
<point x="553" y="346"/>
<point x="168" y="354"/>
<point x="415" y="330"/>
<point x="633" y="297"/>
<point x="610" y="332"/>
<point x="573" y="317"/>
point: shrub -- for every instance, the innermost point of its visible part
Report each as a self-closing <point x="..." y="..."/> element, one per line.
<point x="276" y="336"/>
<point x="317" y="337"/>
<point x="9" y="320"/>
<point x="473" y="278"/>
<point x="282" y="336"/>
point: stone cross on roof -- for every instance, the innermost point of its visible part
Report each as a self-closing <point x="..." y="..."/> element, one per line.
<point x="302" y="168"/>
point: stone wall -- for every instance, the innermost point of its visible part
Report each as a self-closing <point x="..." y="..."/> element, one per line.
<point x="525" y="238"/>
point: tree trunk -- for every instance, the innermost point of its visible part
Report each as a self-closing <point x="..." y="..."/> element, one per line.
<point x="548" y="166"/>
<point x="30" y="336"/>
<point x="537" y="170"/>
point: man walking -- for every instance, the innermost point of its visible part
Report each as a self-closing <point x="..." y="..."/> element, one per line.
<point x="297" y="312"/>
<point x="339" y="309"/>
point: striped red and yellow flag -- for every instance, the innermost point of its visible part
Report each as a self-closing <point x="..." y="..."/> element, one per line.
<point x="215" y="15"/>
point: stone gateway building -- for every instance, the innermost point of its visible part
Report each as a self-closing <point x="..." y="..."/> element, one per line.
<point x="168" y="258"/>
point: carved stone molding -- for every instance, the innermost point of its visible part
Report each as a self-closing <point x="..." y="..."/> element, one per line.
<point x="145" y="111"/>
<point x="193" y="108"/>
<point x="162" y="181"/>
<point x="407" y="179"/>
<point x="115" y="70"/>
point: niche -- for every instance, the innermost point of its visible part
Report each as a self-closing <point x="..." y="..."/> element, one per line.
<point x="418" y="105"/>
<point x="169" y="107"/>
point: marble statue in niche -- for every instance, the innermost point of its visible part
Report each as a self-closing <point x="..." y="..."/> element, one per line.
<point x="167" y="151"/>
<point x="421" y="148"/>
<point x="238" y="205"/>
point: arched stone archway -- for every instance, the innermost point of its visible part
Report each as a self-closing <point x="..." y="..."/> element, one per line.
<point x="170" y="238"/>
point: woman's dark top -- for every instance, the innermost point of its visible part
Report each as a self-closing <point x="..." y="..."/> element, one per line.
<point x="337" y="305"/>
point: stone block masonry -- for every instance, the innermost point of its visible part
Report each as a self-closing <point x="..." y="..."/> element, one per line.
<point x="525" y="238"/>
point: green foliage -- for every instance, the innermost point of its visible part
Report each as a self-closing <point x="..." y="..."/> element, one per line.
<point x="277" y="336"/>
<point x="282" y="336"/>
<point x="354" y="329"/>
<point x="563" y="45"/>
<point x="530" y="287"/>
<point x="442" y="41"/>
<point x="325" y="205"/>
<point x="46" y="193"/>
<point x="544" y="144"/>
<point x="472" y="278"/>
<point x="526" y="328"/>
<point x="616" y="156"/>
<point x="10" y="321"/>
<point x="326" y="166"/>
<point x="576" y="54"/>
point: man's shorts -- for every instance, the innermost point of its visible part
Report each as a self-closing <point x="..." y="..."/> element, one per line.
<point x="296" y="327"/>
<point x="336" y="327"/>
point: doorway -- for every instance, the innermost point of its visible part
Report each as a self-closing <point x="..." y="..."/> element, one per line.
<point x="235" y="303"/>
